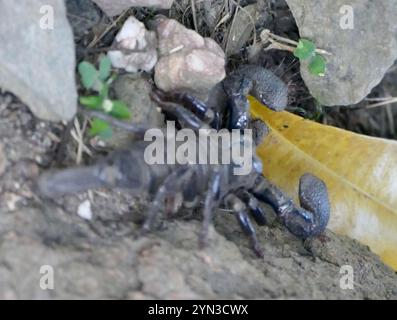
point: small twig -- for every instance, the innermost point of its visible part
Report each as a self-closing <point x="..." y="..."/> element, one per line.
<point x="80" y="143"/>
<point x="223" y="20"/>
<point x="278" y="42"/>
<point x="194" y="13"/>
<point x="94" y="42"/>
<point x="54" y="137"/>
<point x="378" y="99"/>
<point x="382" y="103"/>
<point x="176" y="49"/>
<point x="390" y="118"/>
<point x="78" y="135"/>
<point x="279" y="46"/>
<point x="267" y="32"/>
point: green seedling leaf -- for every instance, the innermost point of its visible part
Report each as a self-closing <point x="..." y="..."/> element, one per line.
<point x="317" y="65"/>
<point x="88" y="73"/>
<point x="105" y="68"/>
<point x="100" y="128"/>
<point x="92" y="102"/>
<point x="305" y="49"/>
<point x="120" y="110"/>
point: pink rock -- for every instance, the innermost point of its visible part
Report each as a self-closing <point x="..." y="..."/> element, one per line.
<point x="187" y="60"/>
<point x="115" y="7"/>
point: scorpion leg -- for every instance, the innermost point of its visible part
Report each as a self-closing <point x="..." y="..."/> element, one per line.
<point x="308" y="221"/>
<point x="138" y="130"/>
<point x="185" y="117"/>
<point x="254" y="205"/>
<point x="237" y="88"/>
<point x="212" y="200"/>
<point x="240" y="212"/>
<point x="169" y="195"/>
<point x="199" y="108"/>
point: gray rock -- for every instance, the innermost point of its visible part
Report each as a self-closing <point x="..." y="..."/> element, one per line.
<point x="112" y="7"/>
<point x="36" y="64"/>
<point x="360" y="57"/>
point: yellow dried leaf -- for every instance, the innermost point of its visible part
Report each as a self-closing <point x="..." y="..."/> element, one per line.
<point x="360" y="172"/>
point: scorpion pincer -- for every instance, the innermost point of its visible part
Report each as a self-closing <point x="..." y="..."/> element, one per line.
<point x="172" y="186"/>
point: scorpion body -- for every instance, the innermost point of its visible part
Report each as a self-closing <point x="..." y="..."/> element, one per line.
<point x="172" y="186"/>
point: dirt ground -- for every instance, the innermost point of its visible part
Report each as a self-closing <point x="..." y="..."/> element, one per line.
<point x="106" y="258"/>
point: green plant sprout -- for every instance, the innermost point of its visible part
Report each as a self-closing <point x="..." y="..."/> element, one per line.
<point x="304" y="50"/>
<point x="99" y="81"/>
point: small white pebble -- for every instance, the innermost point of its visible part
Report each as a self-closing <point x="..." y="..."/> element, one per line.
<point x="84" y="210"/>
<point x="12" y="201"/>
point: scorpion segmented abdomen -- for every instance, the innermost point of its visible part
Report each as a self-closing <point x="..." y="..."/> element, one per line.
<point x="124" y="169"/>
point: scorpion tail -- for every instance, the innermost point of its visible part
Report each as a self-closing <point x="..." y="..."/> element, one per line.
<point x="58" y="183"/>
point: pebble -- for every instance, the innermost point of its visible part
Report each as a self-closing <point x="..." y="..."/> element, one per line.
<point x="84" y="210"/>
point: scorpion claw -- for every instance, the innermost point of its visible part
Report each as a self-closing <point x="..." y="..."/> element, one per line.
<point x="258" y="82"/>
<point x="312" y="219"/>
<point x="307" y="221"/>
<point x="313" y="196"/>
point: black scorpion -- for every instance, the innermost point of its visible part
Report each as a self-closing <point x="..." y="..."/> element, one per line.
<point x="172" y="186"/>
